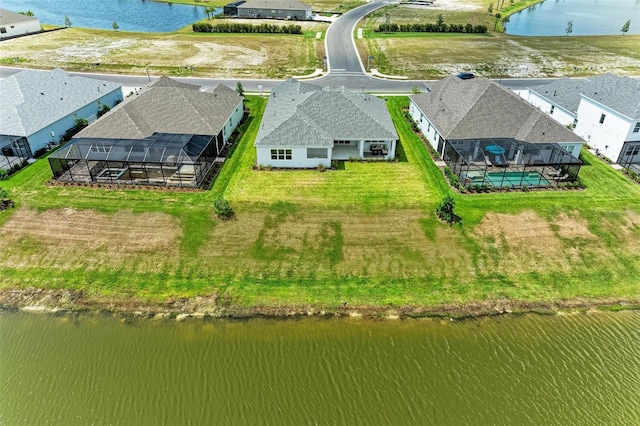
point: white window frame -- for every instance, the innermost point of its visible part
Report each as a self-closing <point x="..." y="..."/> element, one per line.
<point x="281" y="154"/>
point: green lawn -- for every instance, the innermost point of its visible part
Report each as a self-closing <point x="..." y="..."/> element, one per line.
<point x="365" y="233"/>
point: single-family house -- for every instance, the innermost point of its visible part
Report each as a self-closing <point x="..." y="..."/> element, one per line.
<point x="231" y="9"/>
<point x="603" y="110"/>
<point x="15" y="24"/>
<point x="170" y="133"/>
<point x="280" y="9"/>
<point x="488" y="135"/>
<point x="37" y="107"/>
<point x="305" y="126"/>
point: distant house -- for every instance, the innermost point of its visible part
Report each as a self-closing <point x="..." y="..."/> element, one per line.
<point x="37" y="107"/>
<point x="487" y="135"/>
<point x="281" y="9"/>
<point x="305" y="126"/>
<point x="16" y="24"/>
<point x="169" y="134"/>
<point x="603" y="110"/>
<point x="231" y="9"/>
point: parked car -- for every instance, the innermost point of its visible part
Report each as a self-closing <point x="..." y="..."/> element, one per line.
<point x="465" y="75"/>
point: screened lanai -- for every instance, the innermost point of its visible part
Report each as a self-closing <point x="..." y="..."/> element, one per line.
<point x="506" y="162"/>
<point x="160" y="159"/>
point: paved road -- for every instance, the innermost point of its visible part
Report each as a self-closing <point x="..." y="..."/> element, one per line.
<point x="341" y="50"/>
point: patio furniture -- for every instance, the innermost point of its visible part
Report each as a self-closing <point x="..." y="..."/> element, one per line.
<point x="379" y="149"/>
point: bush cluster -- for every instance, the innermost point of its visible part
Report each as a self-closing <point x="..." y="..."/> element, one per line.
<point x="445" y="209"/>
<point x="431" y="28"/>
<point x="205" y="27"/>
<point x="454" y="179"/>
<point x="633" y="175"/>
<point x="223" y="209"/>
<point x="14" y="168"/>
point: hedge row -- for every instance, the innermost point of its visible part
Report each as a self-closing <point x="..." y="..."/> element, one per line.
<point x="432" y="28"/>
<point x="205" y="27"/>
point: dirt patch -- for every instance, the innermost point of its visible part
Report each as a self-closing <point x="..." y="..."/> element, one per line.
<point x="68" y="239"/>
<point x="229" y="56"/>
<point x="520" y="243"/>
<point x="449" y="5"/>
<point x="572" y="227"/>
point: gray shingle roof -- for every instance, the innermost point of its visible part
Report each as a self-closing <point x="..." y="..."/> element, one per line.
<point x="301" y="114"/>
<point x="275" y="4"/>
<point x="33" y="99"/>
<point x="7" y="17"/>
<point x="621" y="94"/>
<point x="167" y="106"/>
<point x="478" y="108"/>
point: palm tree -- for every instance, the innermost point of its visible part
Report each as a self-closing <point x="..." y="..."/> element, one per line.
<point x="498" y="16"/>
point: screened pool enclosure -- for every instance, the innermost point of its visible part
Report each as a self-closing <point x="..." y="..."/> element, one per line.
<point x="161" y="159"/>
<point x="505" y="162"/>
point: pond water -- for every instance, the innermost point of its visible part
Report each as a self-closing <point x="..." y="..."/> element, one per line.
<point x="131" y="15"/>
<point x="578" y="369"/>
<point x="590" y="17"/>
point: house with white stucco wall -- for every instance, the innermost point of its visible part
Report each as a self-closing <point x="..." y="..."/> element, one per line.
<point x="15" y="24"/>
<point x="306" y="126"/>
<point x="603" y="110"/>
<point x="37" y="106"/>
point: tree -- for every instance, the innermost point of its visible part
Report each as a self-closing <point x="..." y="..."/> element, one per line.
<point x="115" y="26"/>
<point x="209" y="10"/>
<point x="27" y="13"/>
<point x="239" y="89"/>
<point x="445" y="209"/>
<point x="223" y="209"/>
<point x="440" y="20"/>
<point x="490" y="8"/>
<point x="569" y="28"/>
<point x="415" y="90"/>
<point x="498" y="16"/>
<point x="625" y="27"/>
<point x="67" y="21"/>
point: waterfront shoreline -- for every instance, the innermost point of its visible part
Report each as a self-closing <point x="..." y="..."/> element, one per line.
<point x="63" y="302"/>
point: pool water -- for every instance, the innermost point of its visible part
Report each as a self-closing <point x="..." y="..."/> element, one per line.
<point x="500" y="179"/>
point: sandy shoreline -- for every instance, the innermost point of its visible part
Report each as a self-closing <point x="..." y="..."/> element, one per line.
<point x="62" y="302"/>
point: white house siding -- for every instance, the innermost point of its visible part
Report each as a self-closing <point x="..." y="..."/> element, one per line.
<point x="559" y="114"/>
<point x="298" y="157"/>
<point x="425" y="126"/>
<point x="608" y="137"/>
<point x="232" y="122"/>
<point x="572" y="147"/>
<point x="40" y="138"/>
<point x="296" y="14"/>
<point x="20" y="28"/>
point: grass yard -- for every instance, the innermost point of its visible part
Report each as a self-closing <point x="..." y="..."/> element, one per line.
<point x="434" y="55"/>
<point x="365" y="234"/>
<point x="217" y="55"/>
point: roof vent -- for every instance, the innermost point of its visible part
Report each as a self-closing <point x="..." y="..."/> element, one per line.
<point x="42" y="93"/>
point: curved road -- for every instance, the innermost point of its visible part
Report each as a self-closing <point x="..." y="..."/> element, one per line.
<point x="342" y="55"/>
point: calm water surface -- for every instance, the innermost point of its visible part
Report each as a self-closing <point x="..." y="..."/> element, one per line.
<point x="590" y="17"/>
<point x="581" y="369"/>
<point x="131" y="15"/>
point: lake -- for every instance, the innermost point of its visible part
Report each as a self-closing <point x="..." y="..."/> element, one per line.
<point x="578" y="369"/>
<point x="590" y="17"/>
<point x="131" y="15"/>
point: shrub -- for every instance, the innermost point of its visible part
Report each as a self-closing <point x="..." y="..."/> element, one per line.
<point x="103" y="110"/>
<point x="445" y="209"/>
<point x="3" y="194"/>
<point x="3" y="174"/>
<point x="321" y="168"/>
<point x="223" y="209"/>
<point x="39" y="153"/>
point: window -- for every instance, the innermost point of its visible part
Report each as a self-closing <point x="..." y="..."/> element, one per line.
<point x="553" y="107"/>
<point x="3" y="30"/>
<point x="632" y="150"/>
<point x="575" y="122"/>
<point x="317" y="153"/>
<point x="637" y="128"/>
<point x="281" y="154"/>
<point x="602" y="117"/>
<point x="341" y="142"/>
<point x="569" y="148"/>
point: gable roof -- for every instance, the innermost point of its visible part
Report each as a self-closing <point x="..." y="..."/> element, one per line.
<point x="622" y="94"/>
<point x="33" y="99"/>
<point x="478" y="108"/>
<point x="275" y="4"/>
<point x="167" y="106"/>
<point x="301" y="114"/>
<point x="7" y="17"/>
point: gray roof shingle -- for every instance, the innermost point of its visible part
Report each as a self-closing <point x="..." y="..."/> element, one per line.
<point x="621" y="94"/>
<point x="301" y="114"/>
<point x="7" y="17"/>
<point x="478" y="108"/>
<point x="33" y="99"/>
<point x="167" y="106"/>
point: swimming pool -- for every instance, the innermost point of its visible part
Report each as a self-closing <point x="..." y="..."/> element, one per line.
<point x="502" y="179"/>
